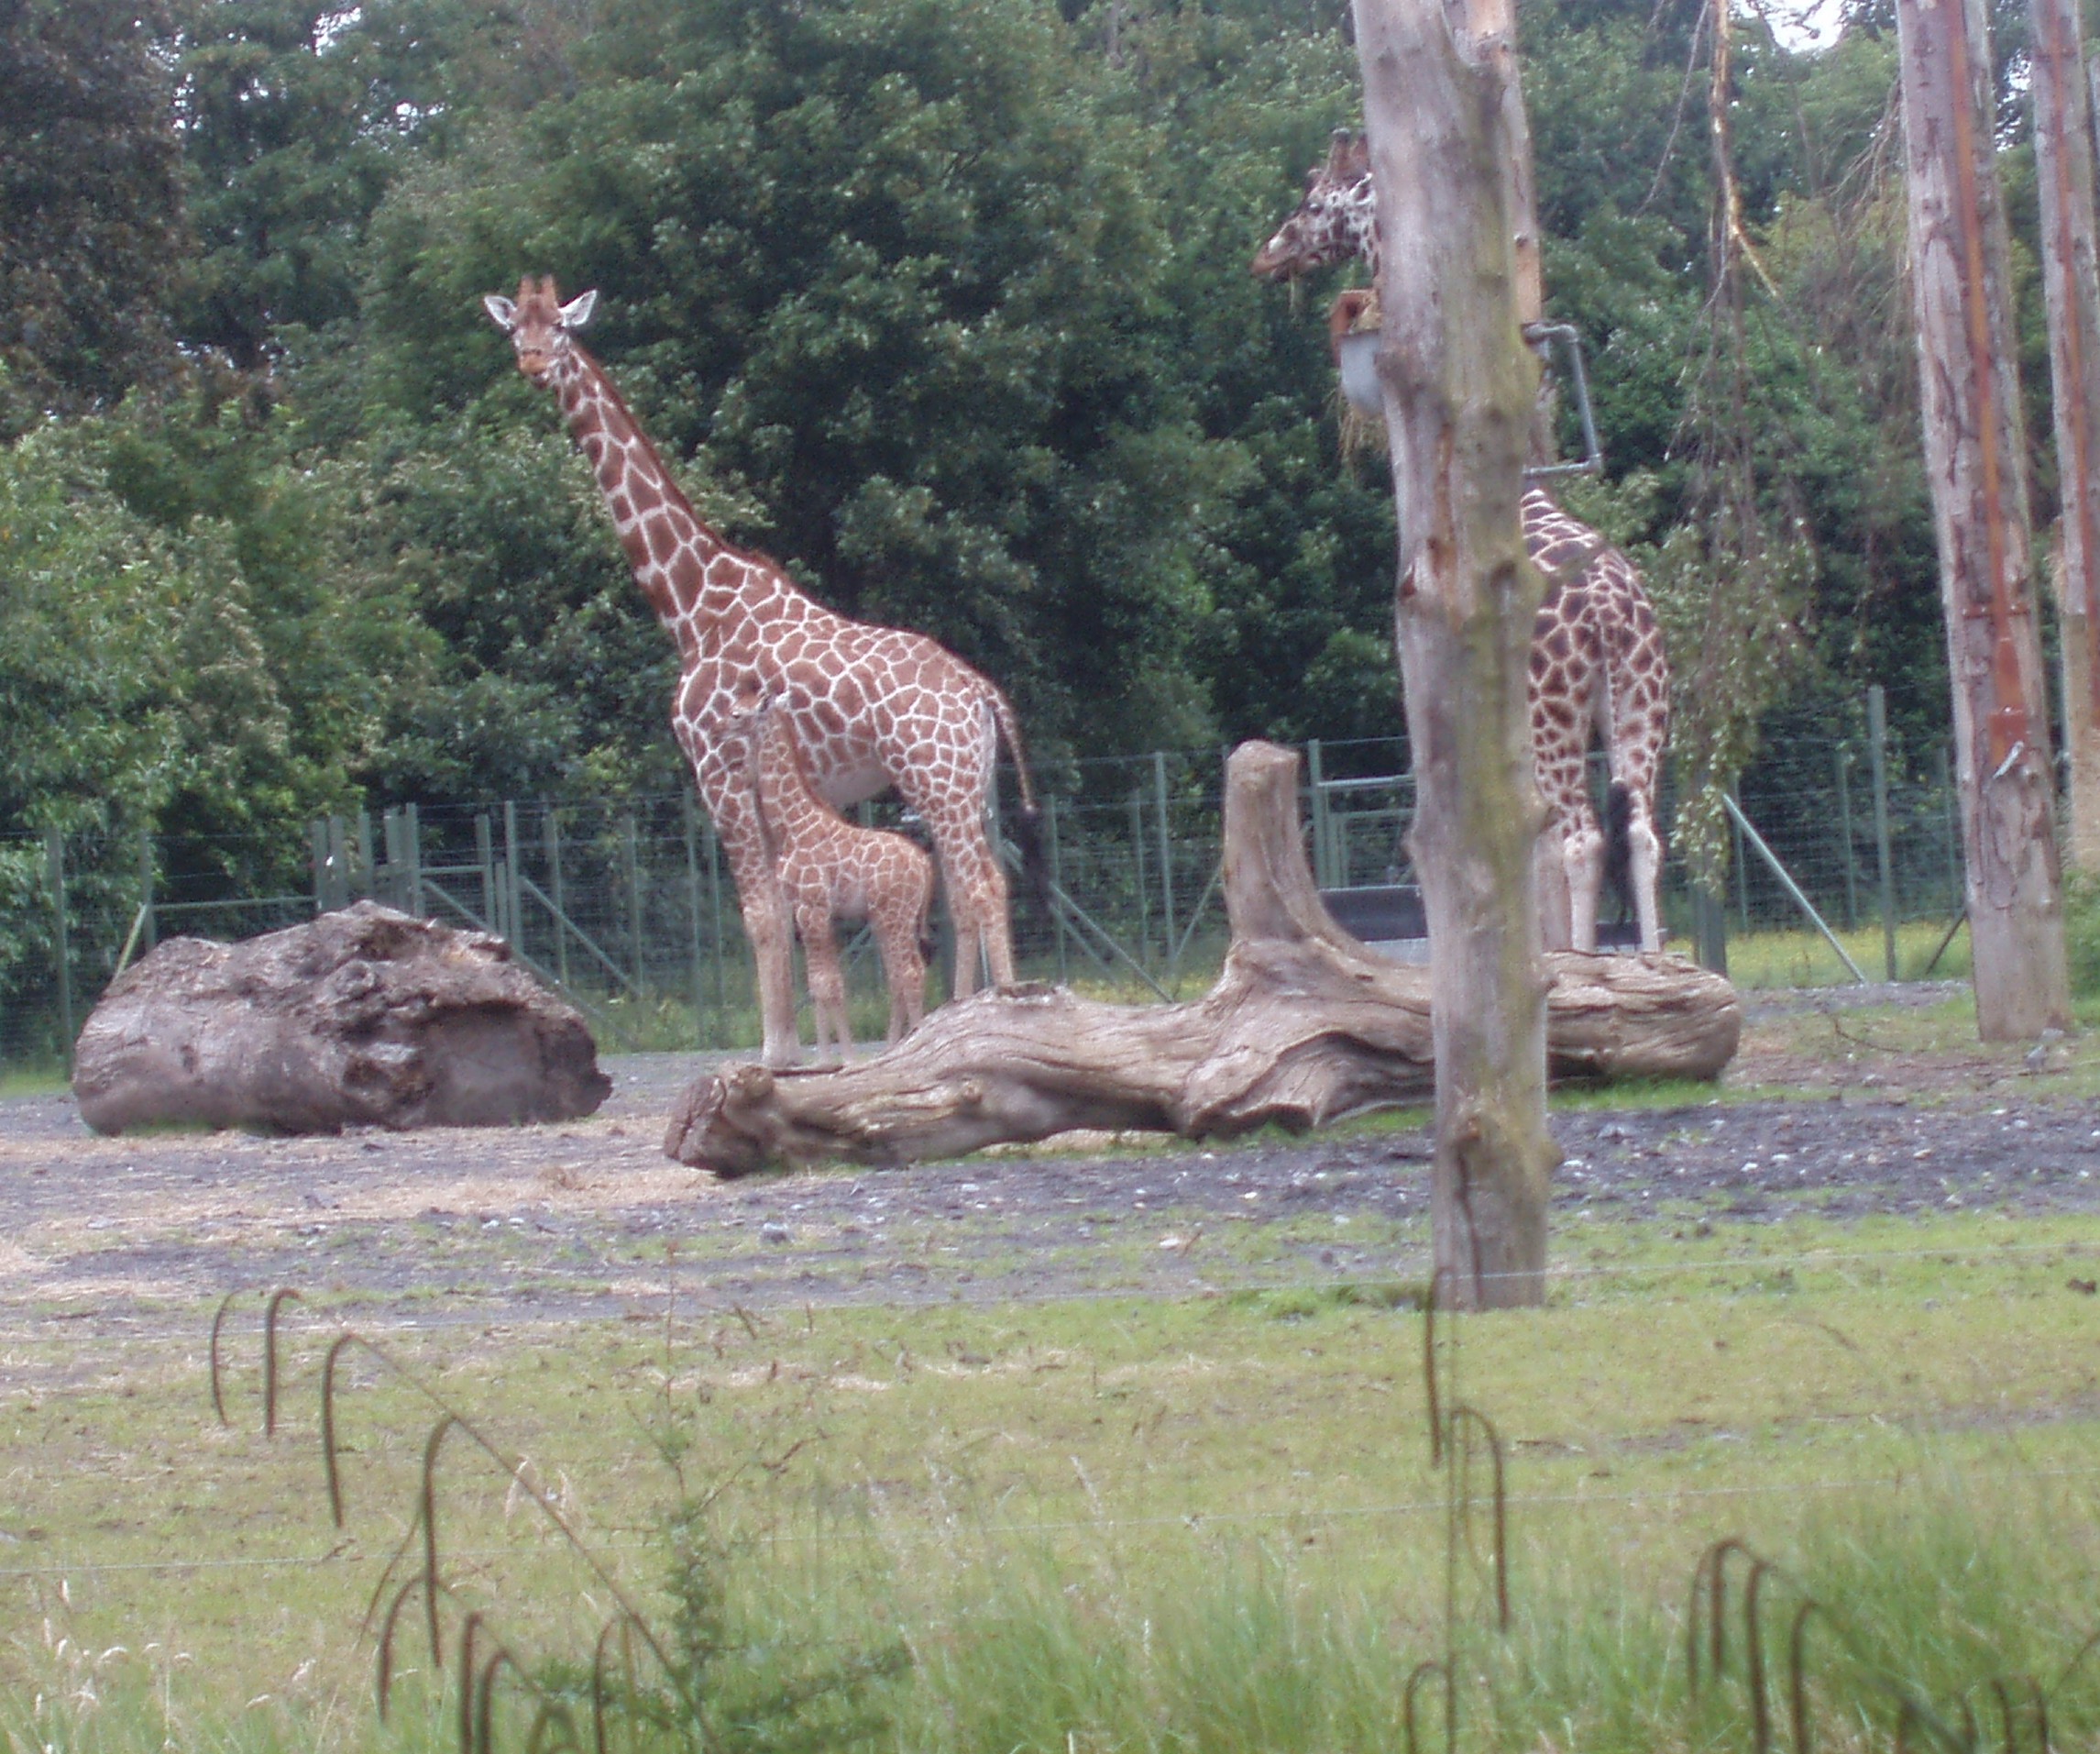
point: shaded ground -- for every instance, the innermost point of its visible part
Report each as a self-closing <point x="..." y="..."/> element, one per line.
<point x="1831" y="1109"/>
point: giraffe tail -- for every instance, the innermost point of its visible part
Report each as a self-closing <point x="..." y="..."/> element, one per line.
<point x="1028" y="819"/>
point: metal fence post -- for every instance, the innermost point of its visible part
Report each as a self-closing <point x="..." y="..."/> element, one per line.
<point x="317" y="852"/>
<point x="1741" y="879"/>
<point x="1710" y="929"/>
<point x="1845" y="766"/>
<point x="514" y="890"/>
<point x="1144" y="888"/>
<point x="149" y="933"/>
<point x="693" y="912"/>
<point x="632" y="850"/>
<point x="554" y="840"/>
<point x="715" y="911"/>
<point x="1166" y="862"/>
<point x="411" y="840"/>
<point x="1878" y="756"/>
<point x="485" y="856"/>
<point x="1322" y="863"/>
<point x="365" y="862"/>
<point x="338" y="863"/>
<point x="1056" y="883"/>
<point x="391" y="833"/>
<point x="55" y="863"/>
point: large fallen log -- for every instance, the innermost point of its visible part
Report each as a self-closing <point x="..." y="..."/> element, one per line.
<point x="1304" y="1026"/>
<point x="362" y="1017"/>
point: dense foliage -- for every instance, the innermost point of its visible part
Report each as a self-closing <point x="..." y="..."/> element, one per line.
<point x="945" y="303"/>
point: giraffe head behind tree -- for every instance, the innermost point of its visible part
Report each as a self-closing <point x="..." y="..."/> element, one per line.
<point x="1335" y="222"/>
<point x="1597" y="661"/>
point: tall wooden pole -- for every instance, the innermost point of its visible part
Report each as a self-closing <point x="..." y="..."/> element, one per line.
<point x="2064" y="167"/>
<point x="1972" y="457"/>
<point x="1441" y="108"/>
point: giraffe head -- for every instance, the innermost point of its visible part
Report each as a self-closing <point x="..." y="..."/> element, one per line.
<point x="1336" y="220"/>
<point x="539" y="323"/>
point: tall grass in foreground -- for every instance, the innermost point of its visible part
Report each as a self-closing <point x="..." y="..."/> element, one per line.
<point x="1273" y="1648"/>
<point x="1974" y="1597"/>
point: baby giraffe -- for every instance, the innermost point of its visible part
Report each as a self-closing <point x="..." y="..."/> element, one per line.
<point x="831" y="869"/>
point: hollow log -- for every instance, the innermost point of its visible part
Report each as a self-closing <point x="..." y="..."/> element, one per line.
<point x="1304" y="1026"/>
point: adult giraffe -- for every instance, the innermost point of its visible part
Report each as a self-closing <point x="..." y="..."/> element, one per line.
<point x="1597" y="663"/>
<point x="870" y="707"/>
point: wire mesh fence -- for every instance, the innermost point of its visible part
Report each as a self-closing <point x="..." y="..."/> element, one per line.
<point x="631" y="912"/>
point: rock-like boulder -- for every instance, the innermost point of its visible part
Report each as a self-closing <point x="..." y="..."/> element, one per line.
<point x="364" y="1017"/>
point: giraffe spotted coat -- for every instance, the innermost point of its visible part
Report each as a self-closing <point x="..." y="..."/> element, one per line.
<point x="872" y="707"/>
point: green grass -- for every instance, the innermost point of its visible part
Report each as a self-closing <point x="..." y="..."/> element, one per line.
<point x="34" y="1081"/>
<point x="1761" y="960"/>
<point x="1113" y="1524"/>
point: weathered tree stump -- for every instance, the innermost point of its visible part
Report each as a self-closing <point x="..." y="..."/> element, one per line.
<point x="364" y="1017"/>
<point x="1303" y="1026"/>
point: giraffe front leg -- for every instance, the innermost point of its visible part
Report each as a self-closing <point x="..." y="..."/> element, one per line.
<point x="904" y="971"/>
<point x="732" y="807"/>
<point x="827" y="982"/>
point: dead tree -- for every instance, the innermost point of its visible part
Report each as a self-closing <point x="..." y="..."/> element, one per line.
<point x="1972" y="457"/>
<point x="2063" y="168"/>
<point x="1303" y="1026"/>
<point x="1441" y="108"/>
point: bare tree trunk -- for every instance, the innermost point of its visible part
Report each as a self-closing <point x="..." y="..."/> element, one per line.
<point x="1304" y="1026"/>
<point x="1973" y="457"/>
<point x="1440" y="90"/>
<point x="2064" y="167"/>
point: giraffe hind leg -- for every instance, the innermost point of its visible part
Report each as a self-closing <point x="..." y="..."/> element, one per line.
<point x="977" y="902"/>
<point x="1645" y="857"/>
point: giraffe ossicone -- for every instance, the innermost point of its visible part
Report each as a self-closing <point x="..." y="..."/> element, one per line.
<point x="1598" y="668"/>
<point x="832" y="870"/>
<point x="870" y="707"/>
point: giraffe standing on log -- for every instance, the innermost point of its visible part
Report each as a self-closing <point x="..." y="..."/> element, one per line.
<point x="833" y="869"/>
<point x="1597" y="663"/>
<point x="870" y="707"/>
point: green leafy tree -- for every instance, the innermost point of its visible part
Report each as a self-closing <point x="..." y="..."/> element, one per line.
<point x="892" y="276"/>
<point x="92" y="229"/>
<point x="297" y="117"/>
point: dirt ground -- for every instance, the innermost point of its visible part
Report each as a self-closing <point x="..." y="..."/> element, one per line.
<point x="1831" y="1108"/>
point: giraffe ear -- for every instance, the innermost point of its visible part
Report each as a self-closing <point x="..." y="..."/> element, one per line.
<point x="502" y="312"/>
<point x="577" y="312"/>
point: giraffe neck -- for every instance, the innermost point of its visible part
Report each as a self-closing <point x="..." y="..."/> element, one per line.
<point x="692" y="578"/>
<point x="795" y="814"/>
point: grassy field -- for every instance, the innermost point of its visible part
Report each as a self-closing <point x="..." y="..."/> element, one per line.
<point x="1104" y="1523"/>
<point x="1107" y="1524"/>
